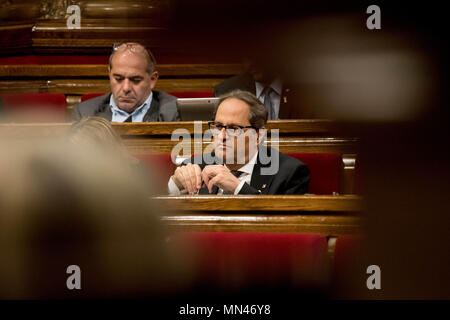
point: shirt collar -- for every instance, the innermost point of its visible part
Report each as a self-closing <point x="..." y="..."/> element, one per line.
<point x="145" y="105"/>
<point x="276" y="86"/>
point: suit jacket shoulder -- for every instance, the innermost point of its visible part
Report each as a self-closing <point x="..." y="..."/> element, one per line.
<point x="98" y="106"/>
<point x="282" y="174"/>
<point x="168" y="110"/>
<point x="277" y="173"/>
<point x="243" y="82"/>
<point x="163" y="108"/>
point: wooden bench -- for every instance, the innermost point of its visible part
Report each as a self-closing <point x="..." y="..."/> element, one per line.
<point x="75" y="80"/>
<point x="326" y="214"/>
<point x="295" y="136"/>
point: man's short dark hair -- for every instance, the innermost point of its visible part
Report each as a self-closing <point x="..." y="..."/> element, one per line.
<point x="151" y="61"/>
<point x="258" y="113"/>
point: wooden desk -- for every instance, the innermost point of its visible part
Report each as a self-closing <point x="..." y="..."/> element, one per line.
<point x="295" y="136"/>
<point x="327" y="215"/>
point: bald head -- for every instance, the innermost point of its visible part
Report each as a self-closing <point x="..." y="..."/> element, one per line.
<point x="137" y="49"/>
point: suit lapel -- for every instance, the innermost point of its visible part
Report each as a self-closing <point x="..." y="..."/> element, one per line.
<point x="249" y="83"/>
<point x="104" y="110"/>
<point x="107" y="114"/>
<point x="152" y="114"/>
<point x="261" y="182"/>
<point x="258" y="181"/>
<point x="285" y="111"/>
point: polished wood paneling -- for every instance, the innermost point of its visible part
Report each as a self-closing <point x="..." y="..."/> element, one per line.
<point x="323" y="127"/>
<point x="82" y="86"/>
<point x="285" y="127"/>
<point x="295" y="136"/>
<point x="76" y="80"/>
<point x="142" y="145"/>
<point x="328" y="225"/>
<point x="40" y="28"/>
<point x="15" y="38"/>
<point x="98" y="70"/>
<point x="42" y="71"/>
<point x="328" y="215"/>
<point x="313" y="203"/>
<point x="101" y="22"/>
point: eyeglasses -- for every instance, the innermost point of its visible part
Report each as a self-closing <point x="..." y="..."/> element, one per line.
<point x="232" y="131"/>
<point x="132" y="46"/>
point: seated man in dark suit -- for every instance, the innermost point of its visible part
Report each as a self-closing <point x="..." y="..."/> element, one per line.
<point x="280" y="97"/>
<point x="132" y="77"/>
<point x="240" y="163"/>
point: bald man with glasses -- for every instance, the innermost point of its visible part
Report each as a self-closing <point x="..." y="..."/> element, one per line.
<point x="240" y="163"/>
<point x="132" y="77"/>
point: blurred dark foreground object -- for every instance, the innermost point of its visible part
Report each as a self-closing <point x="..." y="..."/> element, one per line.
<point x="62" y="205"/>
<point x="239" y="261"/>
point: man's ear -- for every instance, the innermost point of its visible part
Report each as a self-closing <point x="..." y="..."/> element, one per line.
<point x="153" y="79"/>
<point x="154" y="76"/>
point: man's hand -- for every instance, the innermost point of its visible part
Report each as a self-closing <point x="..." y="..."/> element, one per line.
<point x="220" y="176"/>
<point x="188" y="177"/>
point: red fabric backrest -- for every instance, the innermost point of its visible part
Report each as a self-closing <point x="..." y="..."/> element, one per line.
<point x="88" y="96"/>
<point x="325" y="171"/>
<point x="242" y="258"/>
<point x="38" y="107"/>
<point x="54" y="59"/>
<point x="193" y="94"/>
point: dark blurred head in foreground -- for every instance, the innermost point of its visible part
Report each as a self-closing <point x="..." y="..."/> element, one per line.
<point x="98" y="133"/>
<point x="62" y="206"/>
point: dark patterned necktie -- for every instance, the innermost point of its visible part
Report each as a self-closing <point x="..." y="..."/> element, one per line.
<point x="268" y="103"/>
<point x="129" y="119"/>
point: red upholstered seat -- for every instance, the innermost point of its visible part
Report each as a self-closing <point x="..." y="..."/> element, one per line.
<point x="88" y="96"/>
<point x="239" y="259"/>
<point x="35" y="107"/>
<point x="193" y="94"/>
<point x="325" y="171"/>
